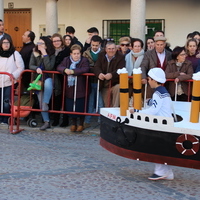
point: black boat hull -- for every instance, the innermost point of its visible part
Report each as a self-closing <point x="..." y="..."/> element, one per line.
<point x="150" y="145"/>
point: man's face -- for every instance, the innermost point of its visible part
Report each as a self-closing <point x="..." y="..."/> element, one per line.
<point x="92" y="34"/>
<point x="1" y="28"/>
<point x="71" y="34"/>
<point x="159" y="34"/>
<point x="160" y="46"/>
<point x="25" y="37"/>
<point x="95" y="46"/>
<point x="111" y="50"/>
<point x="151" y="82"/>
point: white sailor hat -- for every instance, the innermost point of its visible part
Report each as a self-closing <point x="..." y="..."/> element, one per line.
<point x="157" y="74"/>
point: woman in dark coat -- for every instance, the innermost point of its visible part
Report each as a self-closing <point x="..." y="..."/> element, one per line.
<point x="73" y="66"/>
<point x="61" y="51"/>
<point x="179" y="69"/>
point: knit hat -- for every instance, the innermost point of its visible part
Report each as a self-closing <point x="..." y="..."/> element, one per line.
<point x="157" y="74"/>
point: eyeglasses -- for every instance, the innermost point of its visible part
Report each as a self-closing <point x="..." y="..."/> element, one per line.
<point x="56" y="41"/>
<point x="40" y="43"/>
<point x="127" y="45"/>
<point x="182" y="54"/>
<point x="5" y="42"/>
<point x="110" y="39"/>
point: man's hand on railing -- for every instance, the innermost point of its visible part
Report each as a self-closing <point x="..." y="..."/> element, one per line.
<point x="101" y="76"/>
<point x="108" y="76"/>
<point x="144" y="81"/>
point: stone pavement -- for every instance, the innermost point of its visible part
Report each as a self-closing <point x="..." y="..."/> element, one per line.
<point x="59" y="165"/>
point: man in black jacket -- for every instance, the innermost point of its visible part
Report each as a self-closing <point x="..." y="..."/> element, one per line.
<point x="26" y="51"/>
<point x="28" y="45"/>
<point x="71" y="31"/>
<point x="2" y="30"/>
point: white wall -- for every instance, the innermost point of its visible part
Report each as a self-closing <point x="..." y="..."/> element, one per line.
<point x="181" y="16"/>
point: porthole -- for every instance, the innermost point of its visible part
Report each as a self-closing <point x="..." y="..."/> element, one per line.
<point x="164" y="121"/>
<point x="155" y="120"/>
<point x="138" y="117"/>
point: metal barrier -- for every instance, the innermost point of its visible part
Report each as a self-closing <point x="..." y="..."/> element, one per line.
<point x="62" y="110"/>
<point x="11" y="121"/>
<point x="189" y="88"/>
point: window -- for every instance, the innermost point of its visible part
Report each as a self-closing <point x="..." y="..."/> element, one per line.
<point x="118" y="28"/>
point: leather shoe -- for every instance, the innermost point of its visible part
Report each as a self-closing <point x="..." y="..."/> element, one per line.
<point x="80" y="128"/>
<point x="73" y="128"/>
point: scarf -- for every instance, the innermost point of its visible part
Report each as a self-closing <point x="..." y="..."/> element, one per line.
<point x="71" y="78"/>
<point x="57" y="51"/>
<point x="179" y="87"/>
<point x="6" y="54"/>
<point x="131" y="63"/>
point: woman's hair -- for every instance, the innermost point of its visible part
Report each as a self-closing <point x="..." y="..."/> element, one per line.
<point x="48" y="43"/>
<point x="12" y="48"/>
<point x="176" y="51"/>
<point x="124" y="39"/>
<point x="146" y="46"/>
<point x="60" y="37"/>
<point x="72" y="42"/>
<point x="188" y="42"/>
<point x="75" y="47"/>
<point x="137" y="40"/>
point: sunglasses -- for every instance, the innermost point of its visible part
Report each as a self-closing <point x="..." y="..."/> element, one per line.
<point x="127" y="45"/>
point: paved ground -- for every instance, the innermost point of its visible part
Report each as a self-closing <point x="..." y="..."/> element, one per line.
<point x="59" y="165"/>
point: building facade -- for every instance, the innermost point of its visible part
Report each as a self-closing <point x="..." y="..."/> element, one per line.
<point x="177" y="18"/>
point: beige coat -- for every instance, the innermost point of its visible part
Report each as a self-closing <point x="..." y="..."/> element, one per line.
<point x="172" y="73"/>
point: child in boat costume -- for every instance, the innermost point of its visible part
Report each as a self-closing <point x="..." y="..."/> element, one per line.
<point x="160" y="105"/>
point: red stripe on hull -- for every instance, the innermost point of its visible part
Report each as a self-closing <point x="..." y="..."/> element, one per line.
<point x="149" y="157"/>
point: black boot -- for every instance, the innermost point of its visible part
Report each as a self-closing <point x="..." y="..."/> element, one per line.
<point x="56" y="118"/>
<point x="65" y="121"/>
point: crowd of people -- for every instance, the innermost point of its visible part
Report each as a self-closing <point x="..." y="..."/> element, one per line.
<point x="102" y="57"/>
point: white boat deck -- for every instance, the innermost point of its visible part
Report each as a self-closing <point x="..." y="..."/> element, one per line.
<point x="181" y="108"/>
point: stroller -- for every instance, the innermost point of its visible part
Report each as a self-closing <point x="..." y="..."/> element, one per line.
<point x="25" y="103"/>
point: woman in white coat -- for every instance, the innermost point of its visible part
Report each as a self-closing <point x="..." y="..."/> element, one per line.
<point x="10" y="62"/>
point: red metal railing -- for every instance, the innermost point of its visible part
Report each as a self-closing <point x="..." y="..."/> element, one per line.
<point x="15" y="127"/>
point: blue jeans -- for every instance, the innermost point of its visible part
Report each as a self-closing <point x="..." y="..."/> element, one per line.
<point x="92" y="102"/>
<point x="5" y="96"/>
<point x="45" y="96"/>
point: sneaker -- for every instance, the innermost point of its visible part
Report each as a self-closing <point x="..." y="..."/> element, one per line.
<point x="170" y="177"/>
<point x="155" y="177"/>
<point x="45" y="107"/>
<point x="45" y="126"/>
<point x="4" y="124"/>
<point x="87" y="125"/>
